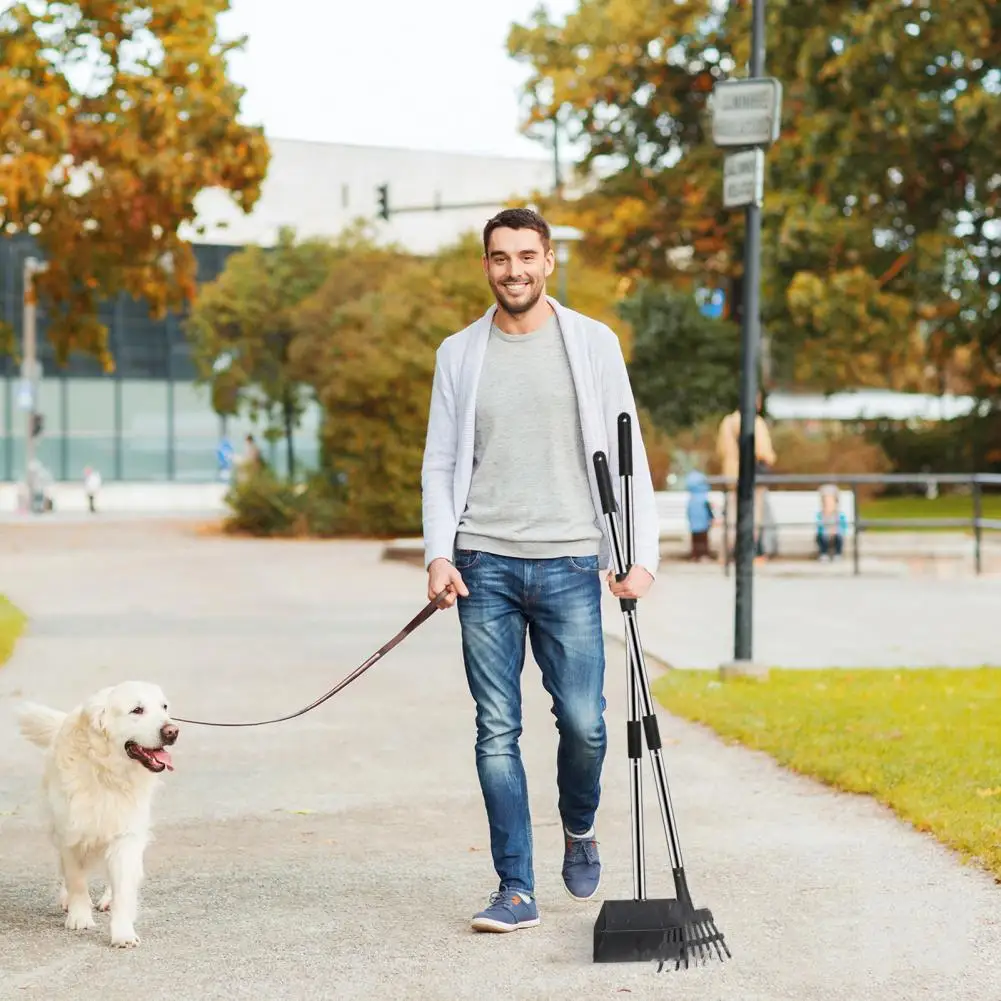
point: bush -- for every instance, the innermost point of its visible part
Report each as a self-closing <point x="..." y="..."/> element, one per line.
<point x="800" y="451"/>
<point x="266" y="506"/>
<point x="658" y="449"/>
<point x="962" y="445"/>
<point x="797" y="451"/>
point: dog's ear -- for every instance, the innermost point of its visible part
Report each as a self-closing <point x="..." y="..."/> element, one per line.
<point x="96" y="710"/>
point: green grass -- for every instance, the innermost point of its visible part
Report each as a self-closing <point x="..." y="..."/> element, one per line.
<point x="925" y="743"/>
<point x="943" y="506"/>
<point x="12" y="622"/>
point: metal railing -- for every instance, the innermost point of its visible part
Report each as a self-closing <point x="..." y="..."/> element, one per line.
<point x="976" y="482"/>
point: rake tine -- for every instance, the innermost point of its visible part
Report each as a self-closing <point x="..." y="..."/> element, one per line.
<point x="700" y="941"/>
<point x="714" y="939"/>
<point x="710" y="942"/>
<point x="703" y="942"/>
<point x="722" y="941"/>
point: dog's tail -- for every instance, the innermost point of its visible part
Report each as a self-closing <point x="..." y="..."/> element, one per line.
<point x="39" y="724"/>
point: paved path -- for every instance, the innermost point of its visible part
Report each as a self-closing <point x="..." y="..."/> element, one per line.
<point x="341" y="855"/>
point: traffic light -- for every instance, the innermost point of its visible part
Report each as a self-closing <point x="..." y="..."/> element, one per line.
<point x="37" y="425"/>
<point x="383" y="194"/>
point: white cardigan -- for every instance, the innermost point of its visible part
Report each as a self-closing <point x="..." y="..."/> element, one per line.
<point x="603" y="392"/>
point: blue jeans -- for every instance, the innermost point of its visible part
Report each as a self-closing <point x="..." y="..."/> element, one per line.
<point x="825" y="544"/>
<point x="557" y="604"/>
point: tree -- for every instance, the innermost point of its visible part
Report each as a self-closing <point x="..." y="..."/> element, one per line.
<point x="684" y="367"/>
<point x="367" y="342"/>
<point x="880" y="251"/>
<point x="242" y="329"/>
<point x="113" y="117"/>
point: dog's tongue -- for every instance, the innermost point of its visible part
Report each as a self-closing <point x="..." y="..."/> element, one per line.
<point x="162" y="755"/>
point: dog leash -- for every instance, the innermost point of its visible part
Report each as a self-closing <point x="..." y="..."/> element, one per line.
<point x="419" y="619"/>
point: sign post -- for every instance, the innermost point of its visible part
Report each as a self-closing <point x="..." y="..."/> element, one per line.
<point x="747" y="117"/>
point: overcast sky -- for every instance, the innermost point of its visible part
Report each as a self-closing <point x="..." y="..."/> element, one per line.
<point x="432" y="75"/>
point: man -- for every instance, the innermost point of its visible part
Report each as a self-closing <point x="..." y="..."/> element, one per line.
<point x="513" y="532"/>
<point x="728" y="451"/>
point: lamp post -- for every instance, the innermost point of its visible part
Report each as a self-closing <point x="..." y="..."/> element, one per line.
<point x="30" y="372"/>
<point x="563" y="237"/>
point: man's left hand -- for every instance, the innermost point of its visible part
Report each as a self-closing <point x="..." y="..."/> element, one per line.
<point x="637" y="582"/>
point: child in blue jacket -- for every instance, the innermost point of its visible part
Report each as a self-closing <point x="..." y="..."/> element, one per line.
<point x="832" y="525"/>
<point x="700" y="515"/>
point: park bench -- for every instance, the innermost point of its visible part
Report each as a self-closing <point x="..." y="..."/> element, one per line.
<point x="794" y="511"/>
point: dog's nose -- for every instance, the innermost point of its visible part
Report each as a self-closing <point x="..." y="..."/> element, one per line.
<point x="169" y="733"/>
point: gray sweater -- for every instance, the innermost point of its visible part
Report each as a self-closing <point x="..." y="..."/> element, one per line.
<point x="529" y="494"/>
<point x="601" y="380"/>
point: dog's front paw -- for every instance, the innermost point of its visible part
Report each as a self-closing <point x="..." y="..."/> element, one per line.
<point x="124" y="938"/>
<point x="79" y="920"/>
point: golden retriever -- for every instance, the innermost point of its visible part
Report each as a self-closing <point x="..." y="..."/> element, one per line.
<point x="102" y="764"/>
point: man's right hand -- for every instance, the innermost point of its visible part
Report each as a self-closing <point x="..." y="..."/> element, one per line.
<point x="442" y="576"/>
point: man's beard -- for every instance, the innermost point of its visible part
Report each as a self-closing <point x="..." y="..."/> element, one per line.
<point x="516" y="308"/>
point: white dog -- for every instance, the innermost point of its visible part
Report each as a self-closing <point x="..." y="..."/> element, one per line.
<point x="101" y="768"/>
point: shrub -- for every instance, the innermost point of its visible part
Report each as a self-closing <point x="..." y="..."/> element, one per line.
<point x="261" y="504"/>
<point x="801" y="451"/>
<point x="264" y="505"/>
<point x="965" y="444"/>
<point x="658" y="449"/>
<point x="798" y="450"/>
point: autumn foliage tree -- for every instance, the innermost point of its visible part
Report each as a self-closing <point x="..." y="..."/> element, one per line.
<point x="364" y="322"/>
<point x="114" y="115"/>
<point x="241" y="330"/>
<point x="882" y="250"/>
<point x="367" y="343"/>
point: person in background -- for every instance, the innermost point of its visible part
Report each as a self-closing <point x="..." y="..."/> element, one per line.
<point x="700" y="515"/>
<point x="225" y="457"/>
<point x="728" y="452"/>
<point x="250" y="461"/>
<point x="832" y="525"/>
<point x="91" y="485"/>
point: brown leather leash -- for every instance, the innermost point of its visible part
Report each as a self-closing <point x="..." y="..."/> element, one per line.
<point x="419" y="619"/>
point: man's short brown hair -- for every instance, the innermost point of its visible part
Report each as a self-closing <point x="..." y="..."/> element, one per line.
<point x="517" y="219"/>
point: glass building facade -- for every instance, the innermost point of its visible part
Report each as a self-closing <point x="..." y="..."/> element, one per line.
<point x="146" y="421"/>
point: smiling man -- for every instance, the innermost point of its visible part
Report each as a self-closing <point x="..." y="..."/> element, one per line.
<point x="513" y="532"/>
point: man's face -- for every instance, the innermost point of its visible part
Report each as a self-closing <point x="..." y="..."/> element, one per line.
<point x="517" y="266"/>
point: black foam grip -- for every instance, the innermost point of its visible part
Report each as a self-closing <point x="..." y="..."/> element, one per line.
<point x="625" y="445"/>
<point x="604" y="478"/>
<point x="652" y="732"/>
<point x="634" y="739"/>
<point x="626" y="604"/>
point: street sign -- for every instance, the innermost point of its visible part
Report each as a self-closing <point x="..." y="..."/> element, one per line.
<point x="747" y="112"/>
<point x="744" y="178"/>
<point x="711" y="302"/>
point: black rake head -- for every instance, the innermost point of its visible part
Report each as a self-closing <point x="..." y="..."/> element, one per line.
<point x="695" y="943"/>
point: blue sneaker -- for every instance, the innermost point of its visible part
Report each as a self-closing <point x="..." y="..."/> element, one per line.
<point x="508" y="910"/>
<point x="581" y="866"/>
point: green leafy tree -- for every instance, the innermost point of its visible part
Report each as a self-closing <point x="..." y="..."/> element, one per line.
<point x="684" y="366"/>
<point x="242" y="330"/>
<point x="368" y="339"/>
<point x="113" y="117"/>
<point x="881" y="249"/>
